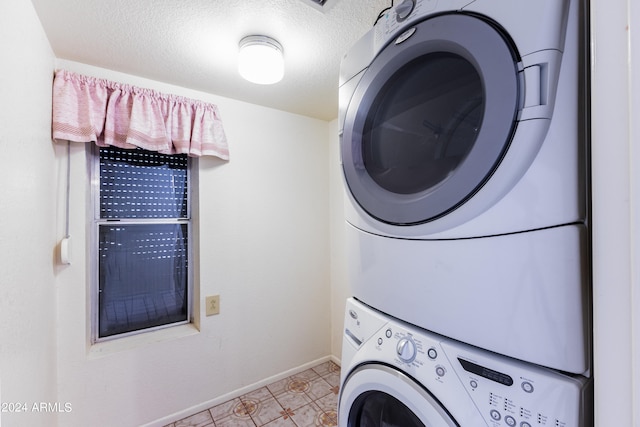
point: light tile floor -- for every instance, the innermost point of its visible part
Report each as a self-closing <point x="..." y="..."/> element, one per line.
<point x="306" y="399"/>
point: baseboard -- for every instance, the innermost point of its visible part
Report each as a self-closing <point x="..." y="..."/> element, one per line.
<point x="237" y="393"/>
<point x="335" y="360"/>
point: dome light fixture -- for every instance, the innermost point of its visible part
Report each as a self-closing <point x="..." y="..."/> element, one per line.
<point x="260" y="60"/>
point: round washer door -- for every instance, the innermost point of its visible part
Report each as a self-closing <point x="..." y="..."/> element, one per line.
<point x="431" y="119"/>
<point x="376" y="395"/>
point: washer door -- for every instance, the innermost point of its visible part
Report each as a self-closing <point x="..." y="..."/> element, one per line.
<point x="376" y="395"/>
<point x="431" y="119"/>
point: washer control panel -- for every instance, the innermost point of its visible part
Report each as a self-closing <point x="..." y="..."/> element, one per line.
<point x="499" y="390"/>
<point x="515" y="394"/>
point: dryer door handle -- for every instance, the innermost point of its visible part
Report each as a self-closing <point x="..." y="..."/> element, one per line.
<point x="533" y="85"/>
<point x="539" y="82"/>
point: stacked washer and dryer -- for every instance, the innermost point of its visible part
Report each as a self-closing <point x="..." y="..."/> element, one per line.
<point x="464" y="151"/>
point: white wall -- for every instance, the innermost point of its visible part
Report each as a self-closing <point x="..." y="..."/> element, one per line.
<point x="27" y="225"/>
<point x="264" y="248"/>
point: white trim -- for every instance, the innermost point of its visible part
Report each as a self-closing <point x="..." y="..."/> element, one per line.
<point x="141" y="339"/>
<point x="613" y="199"/>
<point x="634" y="158"/>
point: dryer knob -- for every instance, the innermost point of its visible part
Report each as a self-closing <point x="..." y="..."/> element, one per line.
<point x="404" y="9"/>
<point x="406" y="350"/>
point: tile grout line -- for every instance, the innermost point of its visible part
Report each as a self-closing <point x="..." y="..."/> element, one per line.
<point x="328" y="372"/>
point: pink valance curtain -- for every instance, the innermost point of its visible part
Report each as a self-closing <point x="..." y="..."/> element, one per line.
<point x="90" y="109"/>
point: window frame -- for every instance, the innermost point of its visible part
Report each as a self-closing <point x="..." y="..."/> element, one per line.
<point x="96" y="222"/>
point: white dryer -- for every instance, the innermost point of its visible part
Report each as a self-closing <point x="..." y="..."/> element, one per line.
<point x="463" y="150"/>
<point x="394" y="374"/>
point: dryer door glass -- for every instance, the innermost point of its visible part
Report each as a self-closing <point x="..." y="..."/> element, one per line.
<point x="423" y="124"/>
<point x="431" y="119"/>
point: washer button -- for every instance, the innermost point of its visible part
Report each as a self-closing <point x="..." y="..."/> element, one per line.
<point x="388" y="333"/>
<point x="473" y="383"/>
<point x="525" y="424"/>
<point x="527" y="387"/>
<point x="495" y="415"/>
<point x="432" y="353"/>
<point x="440" y="371"/>
<point x="511" y="422"/>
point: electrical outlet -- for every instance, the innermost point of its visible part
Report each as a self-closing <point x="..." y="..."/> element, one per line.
<point x="213" y="305"/>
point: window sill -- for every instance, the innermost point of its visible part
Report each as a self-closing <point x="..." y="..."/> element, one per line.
<point x="117" y="345"/>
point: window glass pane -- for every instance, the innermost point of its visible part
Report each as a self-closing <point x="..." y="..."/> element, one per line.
<point x="143" y="278"/>
<point x="142" y="184"/>
<point x="423" y="123"/>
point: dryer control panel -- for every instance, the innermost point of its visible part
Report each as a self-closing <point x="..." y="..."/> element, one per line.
<point x="405" y="13"/>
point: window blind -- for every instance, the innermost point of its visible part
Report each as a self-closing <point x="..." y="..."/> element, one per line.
<point x="142" y="184"/>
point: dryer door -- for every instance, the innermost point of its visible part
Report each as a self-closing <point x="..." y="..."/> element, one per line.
<point x="431" y="119"/>
<point x="376" y="395"/>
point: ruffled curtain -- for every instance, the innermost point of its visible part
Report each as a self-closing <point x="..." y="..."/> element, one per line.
<point x="113" y="114"/>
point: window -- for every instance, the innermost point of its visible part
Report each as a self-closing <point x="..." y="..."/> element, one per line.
<point x="142" y="232"/>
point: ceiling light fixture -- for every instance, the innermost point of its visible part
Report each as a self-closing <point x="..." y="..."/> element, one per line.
<point x="260" y="60"/>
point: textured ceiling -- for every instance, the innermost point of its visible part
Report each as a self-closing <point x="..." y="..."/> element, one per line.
<point x="194" y="43"/>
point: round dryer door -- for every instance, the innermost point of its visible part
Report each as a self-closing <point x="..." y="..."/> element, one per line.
<point x="376" y="395"/>
<point x="431" y="119"/>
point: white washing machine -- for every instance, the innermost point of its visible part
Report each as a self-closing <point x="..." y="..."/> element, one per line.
<point x="394" y="374"/>
<point x="463" y="148"/>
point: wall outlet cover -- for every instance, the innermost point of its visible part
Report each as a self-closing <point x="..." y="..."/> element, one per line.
<point x="212" y="305"/>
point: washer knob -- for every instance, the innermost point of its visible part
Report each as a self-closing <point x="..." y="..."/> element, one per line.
<point x="406" y="350"/>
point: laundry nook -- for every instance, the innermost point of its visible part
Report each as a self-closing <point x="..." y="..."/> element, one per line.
<point x="319" y="213"/>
